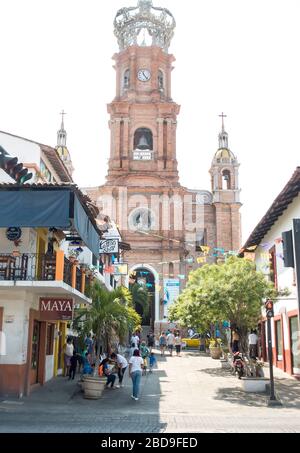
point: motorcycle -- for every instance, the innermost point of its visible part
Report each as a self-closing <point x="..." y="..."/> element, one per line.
<point x="238" y="364"/>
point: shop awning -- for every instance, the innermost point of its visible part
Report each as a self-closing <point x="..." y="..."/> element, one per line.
<point x="34" y="208"/>
<point x="85" y="228"/>
<point x="49" y="206"/>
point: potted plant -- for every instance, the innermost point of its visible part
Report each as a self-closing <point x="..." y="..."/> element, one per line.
<point x="93" y="386"/>
<point x="215" y="348"/>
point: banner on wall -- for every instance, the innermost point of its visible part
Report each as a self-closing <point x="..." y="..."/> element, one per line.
<point x="171" y="292"/>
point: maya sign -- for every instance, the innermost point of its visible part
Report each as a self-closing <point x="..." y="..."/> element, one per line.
<point x="54" y="309"/>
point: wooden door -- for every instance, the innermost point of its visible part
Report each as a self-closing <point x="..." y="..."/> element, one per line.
<point x="34" y="363"/>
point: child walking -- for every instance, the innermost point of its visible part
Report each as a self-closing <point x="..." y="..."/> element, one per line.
<point x="152" y="362"/>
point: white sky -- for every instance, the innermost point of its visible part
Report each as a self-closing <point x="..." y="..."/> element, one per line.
<point x="236" y="56"/>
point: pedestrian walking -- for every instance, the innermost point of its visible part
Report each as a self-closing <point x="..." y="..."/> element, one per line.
<point x="73" y="367"/>
<point x="151" y="339"/>
<point x="253" y="341"/>
<point x="68" y="353"/>
<point x="145" y="354"/>
<point x="171" y="342"/>
<point x="162" y="343"/>
<point x="152" y="362"/>
<point x="235" y="340"/>
<point x="136" y="340"/>
<point x="178" y="344"/>
<point x="135" y="371"/>
<point x="122" y="367"/>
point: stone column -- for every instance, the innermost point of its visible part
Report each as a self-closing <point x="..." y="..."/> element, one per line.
<point x="169" y="144"/>
<point x="132" y="72"/>
<point x="126" y="144"/>
<point x="160" y="143"/>
<point x="117" y="153"/>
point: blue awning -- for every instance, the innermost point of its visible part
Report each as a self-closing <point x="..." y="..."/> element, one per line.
<point x="38" y="207"/>
<point x="34" y="209"/>
<point x="85" y="228"/>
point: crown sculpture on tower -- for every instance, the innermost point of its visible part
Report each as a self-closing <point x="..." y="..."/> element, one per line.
<point x="144" y="25"/>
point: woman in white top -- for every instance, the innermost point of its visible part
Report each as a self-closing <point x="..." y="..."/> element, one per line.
<point x="135" y="371"/>
<point x="122" y="367"/>
<point x="68" y="353"/>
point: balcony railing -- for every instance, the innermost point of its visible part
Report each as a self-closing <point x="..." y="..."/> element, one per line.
<point x="27" y="266"/>
<point x="41" y="267"/>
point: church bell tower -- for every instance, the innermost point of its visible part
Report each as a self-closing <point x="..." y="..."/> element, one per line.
<point x="226" y="194"/>
<point x="143" y="116"/>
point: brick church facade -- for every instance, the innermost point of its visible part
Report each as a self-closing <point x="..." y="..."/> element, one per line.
<point x="165" y="223"/>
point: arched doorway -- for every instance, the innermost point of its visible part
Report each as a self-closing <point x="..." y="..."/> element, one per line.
<point x="145" y="275"/>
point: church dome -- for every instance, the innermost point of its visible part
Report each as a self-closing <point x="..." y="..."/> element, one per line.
<point x="224" y="155"/>
<point x="63" y="152"/>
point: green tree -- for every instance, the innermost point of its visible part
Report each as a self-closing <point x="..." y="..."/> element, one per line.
<point x="111" y="314"/>
<point x="232" y="291"/>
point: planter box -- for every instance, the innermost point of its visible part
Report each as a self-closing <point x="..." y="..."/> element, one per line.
<point x="215" y="353"/>
<point x="93" y="387"/>
<point x="254" y="384"/>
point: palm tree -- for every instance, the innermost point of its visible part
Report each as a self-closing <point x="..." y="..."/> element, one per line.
<point x="110" y="315"/>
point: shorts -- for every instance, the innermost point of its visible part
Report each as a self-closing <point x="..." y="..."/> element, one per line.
<point x="178" y="348"/>
<point x="170" y="346"/>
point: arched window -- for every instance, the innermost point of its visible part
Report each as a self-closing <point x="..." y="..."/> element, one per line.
<point x="126" y="79"/>
<point x="143" y="139"/>
<point x="171" y="270"/>
<point x="160" y="80"/>
<point x="226" y="180"/>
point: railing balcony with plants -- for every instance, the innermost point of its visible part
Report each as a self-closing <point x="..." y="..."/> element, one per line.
<point x="41" y="267"/>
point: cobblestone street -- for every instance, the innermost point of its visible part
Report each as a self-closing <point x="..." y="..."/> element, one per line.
<point x="186" y="395"/>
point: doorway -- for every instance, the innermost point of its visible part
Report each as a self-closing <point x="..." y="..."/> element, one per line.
<point x="144" y="283"/>
<point x="34" y="362"/>
<point x="295" y="344"/>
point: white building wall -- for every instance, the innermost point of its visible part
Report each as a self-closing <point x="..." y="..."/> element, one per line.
<point x="24" y="150"/>
<point x="27" y="152"/>
<point x="16" y="306"/>
<point x="285" y="275"/>
<point x="28" y="241"/>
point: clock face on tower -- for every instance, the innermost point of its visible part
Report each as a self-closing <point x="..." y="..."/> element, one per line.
<point x="144" y="75"/>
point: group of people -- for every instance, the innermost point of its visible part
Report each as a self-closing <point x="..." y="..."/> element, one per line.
<point x="74" y="358"/>
<point x="170" y="340"/>
<point x="113" y="366"/>
<point x="252" y="342"/>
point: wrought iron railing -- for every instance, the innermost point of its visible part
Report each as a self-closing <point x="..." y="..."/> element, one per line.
<point x="67" y="272"/>
<point x="35" y="267"/>
<point x="27" y="266"/>
<point x="78" y="279"/>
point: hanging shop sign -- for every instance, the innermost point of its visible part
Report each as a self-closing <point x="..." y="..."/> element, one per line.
<point x="120" y="269"/>
<point x="109" y="246"/>
<point x="56" y="309"/>
<point x="13" y="233"/>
